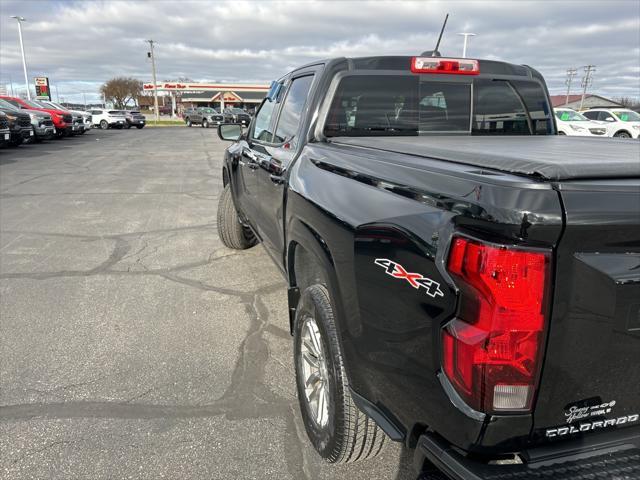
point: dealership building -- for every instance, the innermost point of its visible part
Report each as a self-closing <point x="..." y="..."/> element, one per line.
<point x="214" y="94"/>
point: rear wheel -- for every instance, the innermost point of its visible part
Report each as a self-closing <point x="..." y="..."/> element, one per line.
<point x="561" y="133"/>
<point x="232" y="233"/>
<point x="104" y="124"/>
<point x="622" y="134"/>
<point x="338" y="430"/>
<point x="139" y="126"/>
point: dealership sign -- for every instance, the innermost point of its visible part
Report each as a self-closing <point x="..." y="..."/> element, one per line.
<point x="177" y="86"/>
<point x="43" y="92"/>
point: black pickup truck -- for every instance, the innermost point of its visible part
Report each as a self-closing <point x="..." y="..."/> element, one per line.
<point x="460" y="278"/>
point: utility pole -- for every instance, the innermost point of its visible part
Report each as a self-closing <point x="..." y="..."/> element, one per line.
<point x="155" y="85"/>
<point x="57" y="93"/>
<point x="587" y="80"/>
<point x="84" y="99"/>
<point x="464" y="45"/>
<point x="24" y="62"/>
<point x="571" y="72"/>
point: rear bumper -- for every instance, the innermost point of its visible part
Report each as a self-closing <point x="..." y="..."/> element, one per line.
<point x="608" y="458"/>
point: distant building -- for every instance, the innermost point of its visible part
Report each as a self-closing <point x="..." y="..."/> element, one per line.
<point x="590" y="101"/>
<point x="214" y="94"/>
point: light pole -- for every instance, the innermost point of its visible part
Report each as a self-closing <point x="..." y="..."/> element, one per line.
<point x="155" y="85"/>
<point x="24" y="62"/>
<point x="464" y="46"/>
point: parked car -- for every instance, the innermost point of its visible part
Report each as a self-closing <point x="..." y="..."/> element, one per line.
<point x="164" y="109"/>
<point x="459" y="278"/>
<point x="105" y="119"/>
<point x="62" y="120"/>
<point x="572" y="123"/>
<point x="41" y="122"/>
<point x="237" y="115"/>
<point x="203" y="116"/>
<point x="19" y="126"/>
<point x="5" y="133"/>
<point x="134" y="119"/>
<point x="81" y="119"/>
<point x="620" y="122"/>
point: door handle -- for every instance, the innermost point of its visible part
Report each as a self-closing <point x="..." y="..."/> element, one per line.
<point x="249" y="155"/>
<point x="252" y="158"/>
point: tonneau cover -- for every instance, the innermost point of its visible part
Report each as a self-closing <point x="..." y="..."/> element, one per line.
<point x="549" y="157"/>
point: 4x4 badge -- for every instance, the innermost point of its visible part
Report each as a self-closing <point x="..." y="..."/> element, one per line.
<point x="416" y="280"/>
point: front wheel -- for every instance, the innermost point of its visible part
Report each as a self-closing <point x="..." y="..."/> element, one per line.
<point x="139" y="126"/>
<point x="128" y="126"/>
<point x="104" y="124"/>
<point x="205" y="123"/>
<point x="232" y="233"/>
<point x="189" y="122"/>
<point x="338" y="430"/>
<point x="622" y="135"/>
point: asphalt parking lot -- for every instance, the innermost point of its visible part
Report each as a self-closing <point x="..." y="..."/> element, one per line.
<point x="133" y="344"/>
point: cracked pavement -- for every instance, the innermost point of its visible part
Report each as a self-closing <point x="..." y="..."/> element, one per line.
<point x="132" y="343"/>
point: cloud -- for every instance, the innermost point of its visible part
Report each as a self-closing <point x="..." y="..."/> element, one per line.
<point x="80" y="44"/>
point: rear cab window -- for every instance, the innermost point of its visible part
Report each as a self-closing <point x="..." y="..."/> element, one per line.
<point x="412" y="105"/>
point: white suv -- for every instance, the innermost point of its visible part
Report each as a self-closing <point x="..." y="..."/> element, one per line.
<point x="572" y="123"/>
<point x="620" y="122"/>
<point x="107" y="118"/>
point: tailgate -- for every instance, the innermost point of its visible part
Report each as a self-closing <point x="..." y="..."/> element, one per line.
<point x="591" y="376"/>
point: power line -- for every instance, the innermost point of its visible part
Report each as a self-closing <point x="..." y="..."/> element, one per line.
<point x="587" y="81"/>
<point x="571" y="72"/>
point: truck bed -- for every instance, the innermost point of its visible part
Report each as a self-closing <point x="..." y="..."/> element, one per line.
<point x="547" y="157"/>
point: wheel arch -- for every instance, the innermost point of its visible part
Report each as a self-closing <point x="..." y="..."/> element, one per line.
<point x="622" y="130"/>
<point x="308" y="261"/>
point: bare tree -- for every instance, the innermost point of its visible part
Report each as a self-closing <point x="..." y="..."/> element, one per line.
<point x="628" y="102"/>
<point x="121" y="91"/>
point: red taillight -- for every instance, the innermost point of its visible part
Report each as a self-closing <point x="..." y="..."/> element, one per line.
<point x="491" y="351"/>
<point x="456" y="66"/>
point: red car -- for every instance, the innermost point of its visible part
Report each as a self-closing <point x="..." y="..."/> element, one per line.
<point x="63" y="121"/>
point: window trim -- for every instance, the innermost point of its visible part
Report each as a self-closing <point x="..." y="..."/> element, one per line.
<point x="284" y="99"/>
<point x="250" y="138"/>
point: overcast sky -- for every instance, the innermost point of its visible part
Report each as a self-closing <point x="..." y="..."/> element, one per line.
<point x="81" y="44"/>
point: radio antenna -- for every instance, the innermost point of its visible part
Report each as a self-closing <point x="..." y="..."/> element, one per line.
<point x="435" y="53"/>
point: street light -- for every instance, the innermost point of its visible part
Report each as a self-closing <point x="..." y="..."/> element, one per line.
<point x="464" y="47"/>
<point x="24" y="62"/>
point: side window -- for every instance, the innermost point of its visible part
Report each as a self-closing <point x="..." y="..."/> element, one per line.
<point x="262" y="125"/>
<point x="604" y="115"/>
<point x="294" y="102"/>
<point x="498" y="110"/>
<point x="591" y="115"/>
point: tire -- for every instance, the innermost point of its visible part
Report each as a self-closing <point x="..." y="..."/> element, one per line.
<point x="562" y="133"/>
<point x="188" y="120"/>
<point x="128" y="126"/>
<point x="139" y="127"/>
<point x="36" y="138"/>
<point x="104" y="125"/>
<point x="205" y="123"/>
<point x="622" y="134"/>
<point x="232" y="233"/>
<point x="342" y="433"/>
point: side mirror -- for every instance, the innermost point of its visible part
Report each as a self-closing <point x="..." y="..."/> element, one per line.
<point x="610" y="119"/>
<point x="229" y="132"/>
